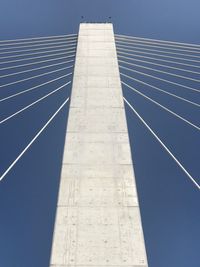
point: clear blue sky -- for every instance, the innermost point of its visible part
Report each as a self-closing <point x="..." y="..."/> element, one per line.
<point x="169" y="201"/>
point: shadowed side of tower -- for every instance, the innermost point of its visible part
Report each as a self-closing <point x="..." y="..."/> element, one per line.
<point x="98" y="219"/>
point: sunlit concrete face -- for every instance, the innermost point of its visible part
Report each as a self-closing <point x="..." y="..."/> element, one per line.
<point x="98" y="219"/>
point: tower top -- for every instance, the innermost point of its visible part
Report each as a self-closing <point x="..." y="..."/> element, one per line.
<point x="96" y="25"/>
<point x="96" y="22"/>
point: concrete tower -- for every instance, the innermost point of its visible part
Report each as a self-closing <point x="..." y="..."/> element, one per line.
<point x="98" y="219"/>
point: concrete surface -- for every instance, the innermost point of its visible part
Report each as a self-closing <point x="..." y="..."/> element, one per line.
<point x="98" y="218"/>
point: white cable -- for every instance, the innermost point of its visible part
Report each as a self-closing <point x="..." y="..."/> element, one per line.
<point x="33" y="103"/>
<point x="159" y="89"/>
<point x="160" y="71"/>
<point x="33" y="58"/>
<point x="161" y="79"/>
<point x="40" y="68"/>
<point x="40" y="37"/>
<point x="153" y="54"/>
<point x="33" y="140"/>
<point x="35" y="63"/>
<point x="33" y="77"/>
<point x="40" y="45"/>
<point x="158" y="51"/>
<point x="165" y="66"/>
<point x="157" y="59"/>
<point x="155" y="46"/>
<point x="37" y="53"/>
<point x="163" y="107"/>
<point x="40" y="41"/>
<point x="35" y="87"/>
<point x="156" y="43"/>
<point x="160" y="41"/>
<point x="163" y="145"/>
<point x="35" y="49"/>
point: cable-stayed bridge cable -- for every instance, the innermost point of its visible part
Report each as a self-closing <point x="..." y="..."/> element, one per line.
<point x="35" y="63"/>
<point x="137" y="43"/>
<point x="142" y="51"/>
<point x="71" y="39"/>
<point x="160" y="71"/>
<point x="34" y="87"/>
<point x="33" y="77"/>
<point x="163" y="145"/>
<point x="33" y="103"/>
<point x="39" y="45"/>
<point x="154" y="50"/>
<point x="36" y="49"/>
<point x="37" y="53"/>
<point x="164" y="66"/>
<point x="158" y="51"/>
<point x="161" y="41"/>
<point x="161" y="106"/>
<point x="40" y="37"/>
<point x="157" y="59"/>
<point x="161" y="79"/>
<point x="120" y="51"/>
<point x="161" y="45"/>
<point x="33" y="140"/>
<point x="33" y="58"/>
<point x="161" y="90"/>
<point x="34" y="69"/>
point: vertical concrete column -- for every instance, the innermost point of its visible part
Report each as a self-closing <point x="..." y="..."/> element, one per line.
<point x="98" y="218"/>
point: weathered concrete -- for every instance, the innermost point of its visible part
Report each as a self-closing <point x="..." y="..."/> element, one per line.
<point x="98" y="219"/>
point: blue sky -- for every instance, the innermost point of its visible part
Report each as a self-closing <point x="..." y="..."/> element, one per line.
<point x="169" y="201"/>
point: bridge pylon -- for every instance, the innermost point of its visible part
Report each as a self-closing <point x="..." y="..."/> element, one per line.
<point x="98" y="217"/>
